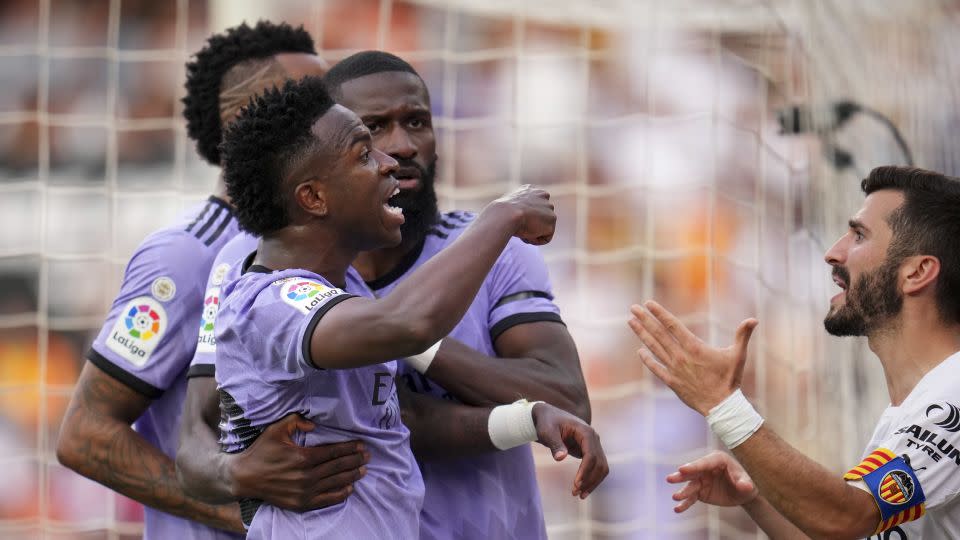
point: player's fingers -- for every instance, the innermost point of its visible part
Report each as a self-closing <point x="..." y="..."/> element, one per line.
<point x="648" y="339"/>
<point x="339" y="481"/>
<point x="709" y="462"/>
<point x="672" y="324"/>
<point x="744" y="331"/>
<point x="689" y="490"/>
<point x="319" y="455"/>
<point x="593" y="467"/>
<point x="684" y="505"/>
<point x="337" y="465"/>
<point x="656" y="329"/>
<point x="324" y="500"/>
<point x="286" y="427"/>
<point x="655" y="367"/>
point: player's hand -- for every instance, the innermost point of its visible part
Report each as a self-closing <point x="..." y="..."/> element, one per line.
<point x="716" y="479"/>
<point x="564" y="433"/>
<point x="537" y="217"/>
<point x="700" y="375"/>
<point x="278" y="471"/>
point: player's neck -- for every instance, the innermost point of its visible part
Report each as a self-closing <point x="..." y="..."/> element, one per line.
<point x="374" y="264"/>
<point x="912" y="347"/>
<point x="285" y="249"/>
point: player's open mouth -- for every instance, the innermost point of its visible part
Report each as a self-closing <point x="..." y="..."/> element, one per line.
<point x="840" y="283"/>
<point x="393" y="210"/>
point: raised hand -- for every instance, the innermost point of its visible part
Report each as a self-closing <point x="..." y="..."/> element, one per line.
<point x="538" y="219"/>
<point x="564" y="433"/>
<point x="715" y="479"/>
<point x="700" y="375"/>
<point x="277" y="470"/>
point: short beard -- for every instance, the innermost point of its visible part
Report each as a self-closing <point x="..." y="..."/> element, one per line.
<point x="869" y="304"/>
<point x="420" y="212"/>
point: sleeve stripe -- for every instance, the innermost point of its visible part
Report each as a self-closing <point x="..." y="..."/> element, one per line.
<point x="202" y="370"/>
<point x="874" y="461"/>
<point x="314" y="319"/>
<point x="135" y="383"/>
<point x="522" y="318"/>
<point x="522" y="295"/>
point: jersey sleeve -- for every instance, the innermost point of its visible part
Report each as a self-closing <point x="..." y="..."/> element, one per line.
<point x="520" y="290"/>
<point x="915" y="469"/>
<point x="149" y="335"/>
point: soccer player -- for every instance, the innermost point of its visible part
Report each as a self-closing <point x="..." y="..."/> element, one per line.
<point x="510" y="343"/>
<point x="137" y="364"/>
<point x="306" y="178"/>
<point x="898" y="267"/>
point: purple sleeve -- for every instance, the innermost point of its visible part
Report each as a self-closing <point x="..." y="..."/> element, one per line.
<point x="149" y="335"/>
<point x="520" y="290"/>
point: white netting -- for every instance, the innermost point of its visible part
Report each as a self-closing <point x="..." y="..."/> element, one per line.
<point x="652" y="122"/>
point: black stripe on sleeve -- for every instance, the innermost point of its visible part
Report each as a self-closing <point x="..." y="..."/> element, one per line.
<point x="522" y="318"/>
<point x="522" y="295"/>
<point x="219" y="230"/>
<point x="197" y="219"/>
<point x="202" y="370"/>
<point x="314" y="319"/>
<point x="202" y="230"/>
<point x="120" y="374"/>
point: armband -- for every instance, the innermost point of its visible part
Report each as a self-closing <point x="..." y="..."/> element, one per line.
<point x="894" y="486"/>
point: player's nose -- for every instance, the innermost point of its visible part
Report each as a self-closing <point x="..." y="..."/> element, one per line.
<point x="387" y="164"/>
<point x="399" y="144"/>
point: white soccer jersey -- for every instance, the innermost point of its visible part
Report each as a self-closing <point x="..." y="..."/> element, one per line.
<point x="925" y="428"/>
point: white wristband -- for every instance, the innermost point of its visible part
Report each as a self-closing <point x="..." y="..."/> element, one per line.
<point x="421" y="362"/>
<point x="512" y="425"/>
<point x="734" y="420"/>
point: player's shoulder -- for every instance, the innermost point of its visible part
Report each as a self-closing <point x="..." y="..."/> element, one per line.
<point x="193" y="239"/>
<point x="937" y="393"/>
<point x="285" y="292"/>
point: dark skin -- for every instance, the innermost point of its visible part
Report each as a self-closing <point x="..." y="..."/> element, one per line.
<point x="535" y="360"/>
<point x="96" y="440"/>
<point x="274" y="469"/>
<point x="338" y="196"/>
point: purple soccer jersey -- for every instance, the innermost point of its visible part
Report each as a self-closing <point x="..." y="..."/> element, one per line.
<point x="149" y="336"/>
<point x="264" y="372"/>
<point x="493" y="495"/>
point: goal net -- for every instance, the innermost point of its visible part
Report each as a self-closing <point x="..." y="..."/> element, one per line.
<point x="656" y="125"/>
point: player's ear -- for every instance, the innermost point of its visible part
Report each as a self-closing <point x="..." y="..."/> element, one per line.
<point x="918" y="272"/>
<point x="311" y="197"/>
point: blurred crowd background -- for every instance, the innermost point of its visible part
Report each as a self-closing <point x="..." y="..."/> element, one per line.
<point x="654" y="123"/>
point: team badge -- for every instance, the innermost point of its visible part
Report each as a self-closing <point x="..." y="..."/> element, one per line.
<point x="138" y="329"/>
<point x="894" y="486"/>
<point x="219" y="273"/>
<point x="206" y="342"/>
<point x="305" y="294"/>
<point x="163" y="289"/>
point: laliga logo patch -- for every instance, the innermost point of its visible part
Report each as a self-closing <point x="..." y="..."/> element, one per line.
<point x="305" y="294"/>
<point x="896" y="487"/>
<point x="138" y="330"/>
<point x="950" y="422"/>
<point x="206" y="341"/>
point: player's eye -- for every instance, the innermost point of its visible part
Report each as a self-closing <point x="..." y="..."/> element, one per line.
<point x="374" y="127"/>
<point x="365" y="156"/>
<point x="415" y="123"/>
<point x="858" y="236"/>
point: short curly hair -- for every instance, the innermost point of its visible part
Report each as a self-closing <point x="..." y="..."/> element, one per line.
<point x="365" y="63"/>
<point x="270" y="136"/>
<point x="201" y="105"/>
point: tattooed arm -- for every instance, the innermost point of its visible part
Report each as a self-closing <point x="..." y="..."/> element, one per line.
<point x="96" y="440"/>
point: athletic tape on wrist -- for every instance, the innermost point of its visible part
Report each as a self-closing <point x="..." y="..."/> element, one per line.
<point x="734" y="420"/>
<point x="512" y="425"/>
<point x="421" y="362"/>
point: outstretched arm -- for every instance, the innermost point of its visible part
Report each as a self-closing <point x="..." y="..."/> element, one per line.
<point x="416" y="314"/>
<point x="443" y="429"/>
<point x="274" y="469"/>
<point x="96" y="440"/>
<point x="538" y="361"/>
<point x="703" y="377"/>
<point x="719" y="480"/>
